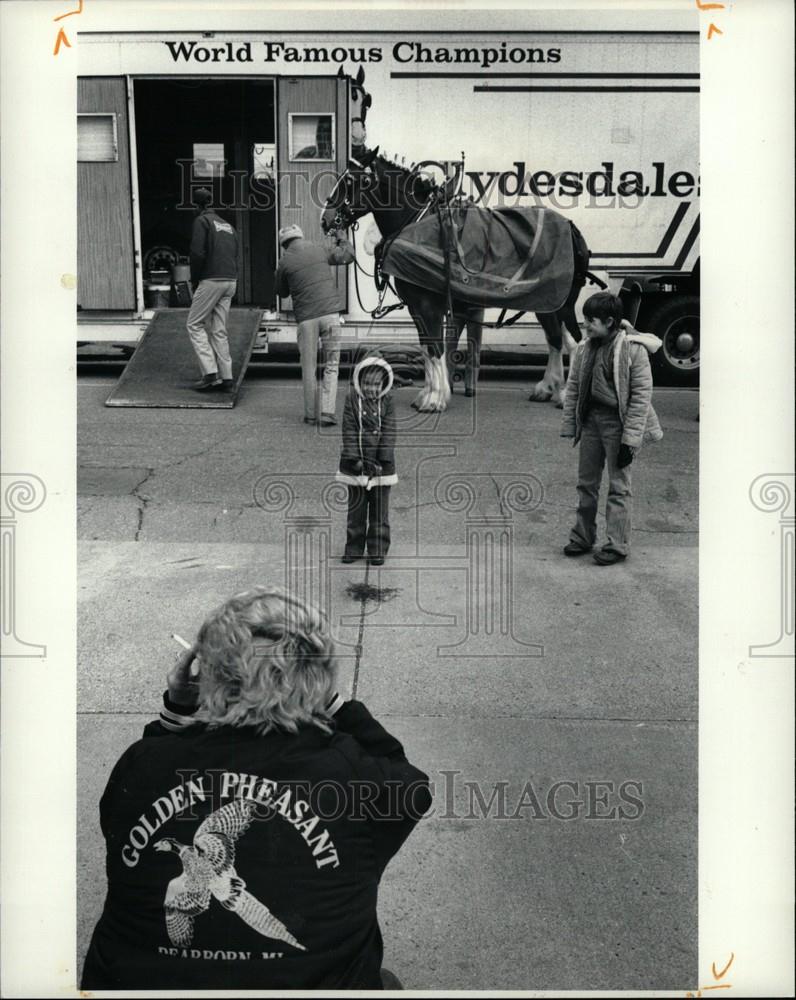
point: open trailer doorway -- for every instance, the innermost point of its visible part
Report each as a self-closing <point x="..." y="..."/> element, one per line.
<point x="219" y="134"/>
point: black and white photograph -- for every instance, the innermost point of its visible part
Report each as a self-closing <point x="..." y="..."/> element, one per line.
<point x="397" y="560"/>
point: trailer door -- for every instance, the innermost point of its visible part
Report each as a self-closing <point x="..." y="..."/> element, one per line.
<point x="105" y="270"/>
<point x="312" y="151"/>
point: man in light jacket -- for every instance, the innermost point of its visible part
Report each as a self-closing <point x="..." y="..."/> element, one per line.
<point x="304" y="274"/>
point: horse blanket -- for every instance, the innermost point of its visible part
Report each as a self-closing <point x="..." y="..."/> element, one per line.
<point x="511" y="258"/>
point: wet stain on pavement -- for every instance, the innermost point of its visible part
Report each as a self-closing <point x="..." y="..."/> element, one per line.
<point x="367" y="592"/>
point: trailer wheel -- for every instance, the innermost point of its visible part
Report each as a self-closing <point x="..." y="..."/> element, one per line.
<point x="676" y="322"/>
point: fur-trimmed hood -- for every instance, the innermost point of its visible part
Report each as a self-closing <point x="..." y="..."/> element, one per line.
<point x="373" y="361"/>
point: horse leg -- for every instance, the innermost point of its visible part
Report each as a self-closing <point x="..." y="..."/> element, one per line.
<point x="436" y="394"/>
<point x="429" y="317"/>
<point x="421" y="400"/>
<point x="453" y="332"/>
<point x="571" y="327"/>
<point x="570" y="333"/>
<point x="553" y="379"/>
<point x="475" y="320"/>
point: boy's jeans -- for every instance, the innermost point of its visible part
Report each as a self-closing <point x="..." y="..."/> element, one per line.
<point x="368" y="521"/>
<point x="310" y="331"/>
<point x="600" y="440"/>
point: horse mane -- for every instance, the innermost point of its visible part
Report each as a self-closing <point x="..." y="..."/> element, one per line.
<point x="421" y="186"/>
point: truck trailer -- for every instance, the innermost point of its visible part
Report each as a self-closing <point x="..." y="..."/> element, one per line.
<point x="599" y="124"/>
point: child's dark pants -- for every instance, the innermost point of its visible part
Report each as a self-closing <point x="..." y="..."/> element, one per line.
<point x="368" y="521"/>
<point x="600" y="440"/>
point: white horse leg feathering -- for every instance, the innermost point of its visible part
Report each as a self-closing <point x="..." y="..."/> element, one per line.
<point x="553" y="383"/>
<point x="543" y="390"/>
<point x="435" y="394"/>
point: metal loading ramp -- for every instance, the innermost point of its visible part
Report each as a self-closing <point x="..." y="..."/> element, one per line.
<point x="163" y="367"/>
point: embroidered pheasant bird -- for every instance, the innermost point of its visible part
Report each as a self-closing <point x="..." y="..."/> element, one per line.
<point x="208" y="872"/>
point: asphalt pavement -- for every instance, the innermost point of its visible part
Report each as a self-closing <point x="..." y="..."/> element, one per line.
<point x="553" y="702"/>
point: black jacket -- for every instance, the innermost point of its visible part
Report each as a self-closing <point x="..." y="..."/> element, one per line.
<point x="214" y="248"/>
<point x="251" y="862"/>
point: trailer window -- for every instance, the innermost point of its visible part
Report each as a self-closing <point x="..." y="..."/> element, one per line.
<point x="96" y="138"/>
<point x="311" y="137"/>
<point x="208" y="159"/>
<point x="263" y="161"/>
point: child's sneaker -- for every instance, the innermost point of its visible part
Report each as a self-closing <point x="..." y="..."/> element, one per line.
<point x="376" y="560"/>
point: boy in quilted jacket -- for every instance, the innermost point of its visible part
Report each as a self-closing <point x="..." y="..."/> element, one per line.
<point x="367" y="462"/>
<point x="608" y="410"/>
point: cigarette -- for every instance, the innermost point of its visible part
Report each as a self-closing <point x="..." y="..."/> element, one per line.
<point x="187" y="645"/>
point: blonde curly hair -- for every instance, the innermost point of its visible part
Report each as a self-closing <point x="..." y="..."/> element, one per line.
<point x="268" y="661"/>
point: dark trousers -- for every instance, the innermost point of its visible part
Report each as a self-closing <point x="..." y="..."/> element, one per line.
<point x="368" y="521"/>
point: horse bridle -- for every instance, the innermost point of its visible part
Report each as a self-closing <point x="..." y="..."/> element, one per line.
<point x="342" y="221"/>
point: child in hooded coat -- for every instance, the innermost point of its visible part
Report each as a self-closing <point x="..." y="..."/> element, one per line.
<point x="608" y="411"/>
<point x="367" y="461"/>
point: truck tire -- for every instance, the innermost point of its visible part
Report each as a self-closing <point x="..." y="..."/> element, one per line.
<point x="676" y="322"/>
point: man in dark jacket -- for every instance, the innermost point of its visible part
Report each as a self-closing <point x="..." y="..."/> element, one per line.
<point x="214" y="273"/>
<point x="304" y="274"/>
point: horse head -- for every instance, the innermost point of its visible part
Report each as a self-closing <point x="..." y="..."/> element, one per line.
<point x="372" y="183"/>
<point x="359" y="102"/>
<point x="352" y="195"/>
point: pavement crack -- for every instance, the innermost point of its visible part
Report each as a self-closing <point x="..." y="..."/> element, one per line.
<point x="415" y="506"/>
<point x="143" y="503"/>
<point x="501" y="505"/>
<point x="235" y="432"/>
<point x="360" y="636"/>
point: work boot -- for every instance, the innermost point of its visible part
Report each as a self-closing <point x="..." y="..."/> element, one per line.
<point x="575" y="549"/>
<point x="607" y="557"/>
<point x="209" y="381"/>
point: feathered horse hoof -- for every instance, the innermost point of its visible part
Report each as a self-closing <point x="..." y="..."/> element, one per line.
<point x="540" y="394"/>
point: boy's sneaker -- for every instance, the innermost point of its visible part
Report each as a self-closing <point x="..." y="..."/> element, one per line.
<point x="206" y="382"/>
<point x="607" y="557"/>
<point x="348" y="557"/>
<point x="328" y="420"/>
<point x="376" y="560"/>
<point x="575" y="549"/>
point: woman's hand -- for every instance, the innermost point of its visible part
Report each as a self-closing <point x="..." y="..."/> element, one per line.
<point x="183" y="681"/>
